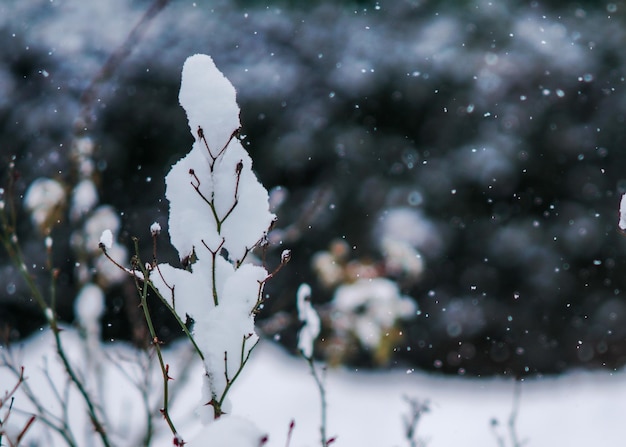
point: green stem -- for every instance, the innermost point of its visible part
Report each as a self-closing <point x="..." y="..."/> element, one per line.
<point x="243" y="360"/>
<point x="162" y="364"/>
<point x="146" y="278"/>
<point x="322" y="390"/>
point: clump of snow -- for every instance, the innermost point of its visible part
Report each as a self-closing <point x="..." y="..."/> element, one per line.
<point x="44" y="197"/>
<point x="103" y="218"/>
<point x="622" y="213"/>
<point x="370" y="307"/>
<point x="106" y="239"/>
<point x="218" y="212"/>
<point x="84" y="198"/>
<point x="311" y="320"/>
<point x="155" y="229"/>
<point x="89" y="306"/>
<point x="217" y="170"/>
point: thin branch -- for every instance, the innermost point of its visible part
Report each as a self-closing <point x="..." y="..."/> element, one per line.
<point x="245" y="356"/>
<point x="411" y="421"/>
<point x="164" y="367"/>
<point x="116" y="58"/>
<point x="517" y="394"/>
<point x="320" y="382"/>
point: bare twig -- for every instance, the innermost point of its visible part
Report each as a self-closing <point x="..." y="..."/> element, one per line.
<point x="9" y="397"/>
<point x="411" y="421"/>
<point x="112" y="64"/>
<point x="320" y="381"/>
<point x="512" y="421"/>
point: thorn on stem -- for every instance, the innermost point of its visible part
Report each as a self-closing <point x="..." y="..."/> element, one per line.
<point x="178" y="441"/>
<point x="167" y="372"/>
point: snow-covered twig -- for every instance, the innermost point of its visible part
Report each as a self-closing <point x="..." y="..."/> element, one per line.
<point x="306" y="338"/>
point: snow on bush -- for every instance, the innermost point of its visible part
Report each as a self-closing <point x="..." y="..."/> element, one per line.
<point x="218" y="212"/>
<point x="43" y="200"/>
<point x="310" y="319"/>
<point x="370" y="307"/>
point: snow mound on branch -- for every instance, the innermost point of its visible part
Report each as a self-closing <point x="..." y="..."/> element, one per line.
<point x="239" y="214"/>
<point x="218" y="212"/>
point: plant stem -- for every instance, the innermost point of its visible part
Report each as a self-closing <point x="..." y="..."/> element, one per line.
<point x="162" y="364"/>
<point x="322" y="390"/>
<point x="10" y="241"/>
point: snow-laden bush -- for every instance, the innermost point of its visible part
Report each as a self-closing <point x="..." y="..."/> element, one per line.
<point x="218" y="213"/>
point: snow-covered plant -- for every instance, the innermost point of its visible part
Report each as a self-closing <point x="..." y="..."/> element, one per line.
<point x="309" y="332"/>
<point x="310" y="321"/>
<point x="370" y="307"/>
<point x="219" y="212"/>
<point x="44" y="199"/>
<point x="367" y="305"/>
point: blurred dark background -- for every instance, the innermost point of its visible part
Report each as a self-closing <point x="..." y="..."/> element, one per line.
<point x="499" y="126"/>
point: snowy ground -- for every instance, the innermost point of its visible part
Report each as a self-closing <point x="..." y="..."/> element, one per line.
<point x="365" y="408"/>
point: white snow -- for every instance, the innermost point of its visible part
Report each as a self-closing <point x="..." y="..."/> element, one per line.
<point x="577" y="409"/>
<point x="43" y="197"/>
<point x="218" y="211"/>
<point x="622" y="213"/>
<point x="223" y="177"/>
<point x="107" y="272"/>
<point x="106" y="239"/>
<point x="89" y="306"/>
<point x="155" y="229"/>
<point x="370" y="307"/>
<point x="84" y="198"/>
<point x="101" y="219"/>
<point x="310" y="318"/>
<point x="229" y="431"/>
